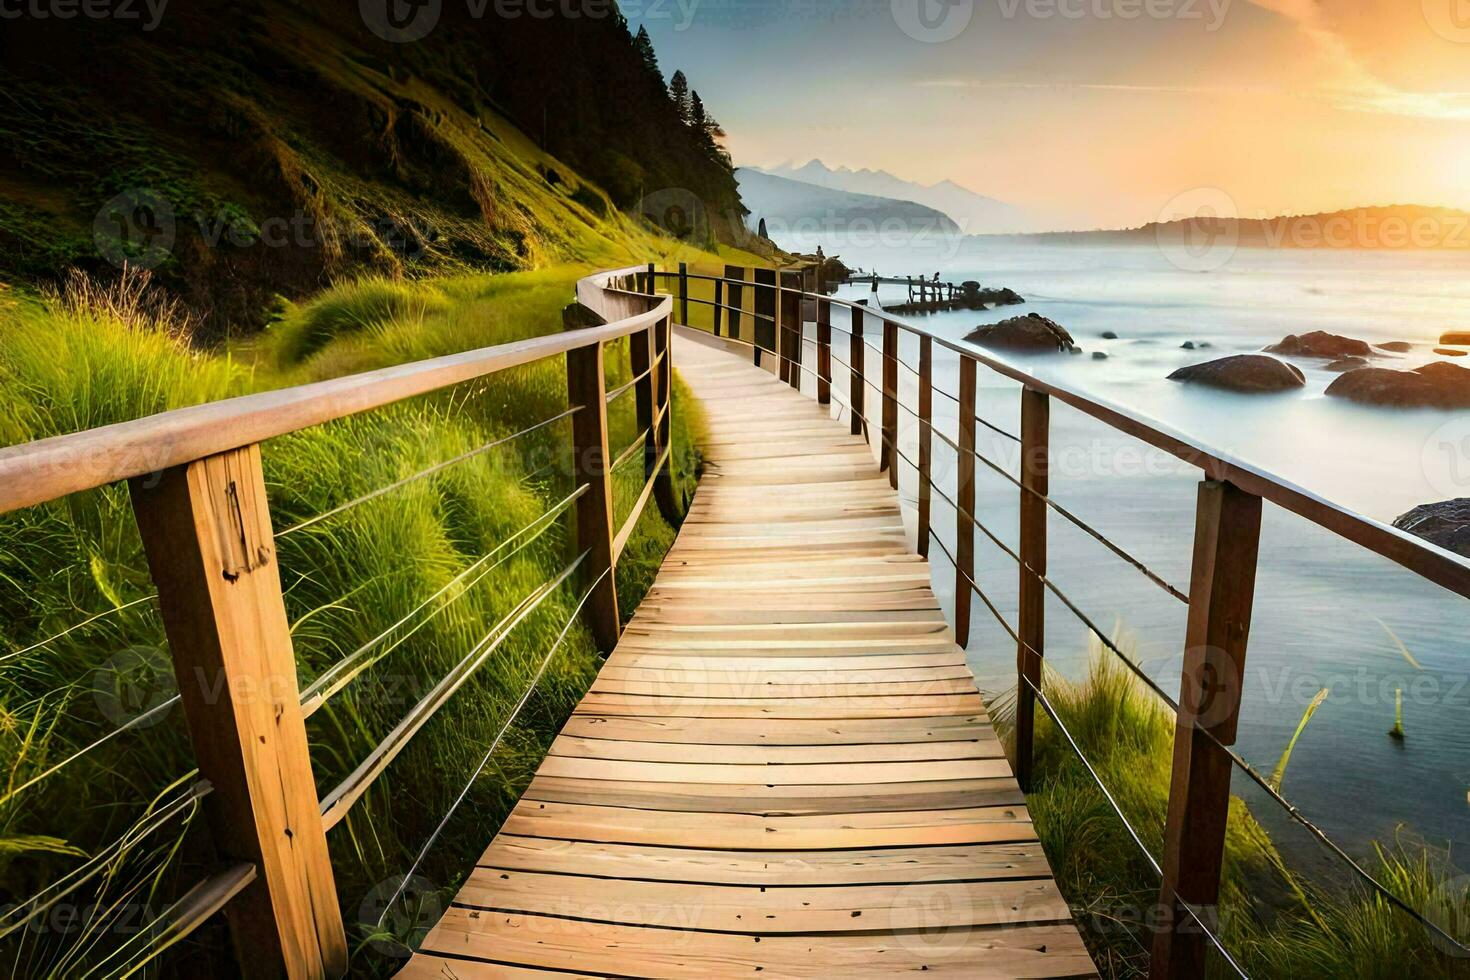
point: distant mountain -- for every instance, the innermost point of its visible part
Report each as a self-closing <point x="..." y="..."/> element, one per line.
<point x="795" y="206"/>
<point x="1394" y="227"/>
<point x="974" y="213"/>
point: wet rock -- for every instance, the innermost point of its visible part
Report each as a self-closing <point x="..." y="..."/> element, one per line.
<point x="1449" y="352"/>
<point x="1098" y="355"/>
<point x="1347" y="364"/>
<point x="1320" y="343"/>
<point x="1187" y="345"/>
<point x="1455" y="337"/>
<point x="1244" y="372"/>
<point x="1446" y="523"/>
<point x="1435" y="385"/>
<point x="1109" y="335"/>
<point x="1396" y="346"/>
<point x="1024" y="333"/>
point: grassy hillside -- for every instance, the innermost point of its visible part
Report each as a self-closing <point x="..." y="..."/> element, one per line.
<point x="245" y="151"/>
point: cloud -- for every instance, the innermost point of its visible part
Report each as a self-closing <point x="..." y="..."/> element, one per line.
<point x="1354" y="86"/>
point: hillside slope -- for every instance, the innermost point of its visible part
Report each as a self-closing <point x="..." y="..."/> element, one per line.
<point x="249" y="151"/>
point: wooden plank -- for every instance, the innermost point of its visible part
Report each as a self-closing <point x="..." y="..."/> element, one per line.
<point x="771" y="755"/>
<point x="713" y="731"/>
<point x="759" y="799"/>
<point x="207" y="534"/>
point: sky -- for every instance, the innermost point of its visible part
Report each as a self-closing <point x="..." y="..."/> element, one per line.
<point x="1095" y="113"/>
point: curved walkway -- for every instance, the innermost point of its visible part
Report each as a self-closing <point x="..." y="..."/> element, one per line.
<point x="784" y="768"/>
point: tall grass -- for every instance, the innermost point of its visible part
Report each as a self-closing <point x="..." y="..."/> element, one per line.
<point x="85" y="358"/>
<point x="1275" y="920"/>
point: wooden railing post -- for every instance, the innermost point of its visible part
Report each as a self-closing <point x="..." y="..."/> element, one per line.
<point x="736" y="273"/>
<point x="764" y="314"/>
<point x="857" y="384"/>
<point x="889" y="455"/>
<point x="684" y="293"/>
<point x="1227" y="534"/>
<point x="206" y="531"/>
<point x="964" y="525"/>
<point x="663" y="480"/>
<point x="651" y="280"/>
<point x="1031" y="623"/>
<point x="795" y="328"/>
<point x="824" y="352"/>
<point x="594" y="509"/>
<point x="640" y="356"/>
<point x="926" y="437"/>
<point x="719" y="306"/>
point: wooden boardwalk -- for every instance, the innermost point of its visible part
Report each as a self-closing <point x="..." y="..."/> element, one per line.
<point x="784" y="768"/>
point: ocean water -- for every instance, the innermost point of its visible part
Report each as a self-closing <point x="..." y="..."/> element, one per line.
<point x="1327" y="614"/>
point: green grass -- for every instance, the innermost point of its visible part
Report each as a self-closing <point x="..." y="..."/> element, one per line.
<point x="93" y="357"/>
<point x="1276" y="921"/>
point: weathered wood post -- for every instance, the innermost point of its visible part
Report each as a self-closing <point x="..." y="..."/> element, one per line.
<point x="663" y="480"/>
<point x="684" y="293"/>
<point x="824" y="352"/>
<point x="719" y="306"/>
<point x="889" y="456"/>
<point x="791" y="316"/>
<point x="926" y="437"/>
<point x="206" y="530"/>
<point x="595" y="518"/>
<point x="1227" y="534"/>
<point x="1031" y="623"/>
<point x="736" y="274"/>
<point x="764" y="314"/>
<point x="645" y="393"/>
<point x="857" y="384"/>
<point x="965" y="503"/>
<point x="651" y="280"/>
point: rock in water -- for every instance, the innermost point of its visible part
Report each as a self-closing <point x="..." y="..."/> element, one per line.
<point x="1187" y="345"/>
<point x="1320" y="343"/>
<point x="1109" y="335"/>
<point x="1455" y="337"/>
<point x="1435" y="385"/>
<point x="1098" y="355"/>
<point x="1396" y="346"/>
<point x="1244" y="372"/>
<point x="1024" y="333"/>
<point x="1347" y="364"/>
<point x="1449" y="352"/>
<point x="1446" y="524"/>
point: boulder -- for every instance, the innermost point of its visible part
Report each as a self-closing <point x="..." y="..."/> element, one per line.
<point x="1244" y="372"/>
<point x="1320" y="343"/>
<point x="1438" y="384"/>
<point x="1449" y="352"/>
<point x="1396" y="346"/>
<point x="1024" y="333"/>
<point x="1109" y="335"/>
<point x="1455" y="337"/>
<point x="1347" y="364"/>
<point x="1098" y="355"/>
<point x="1187" y="345"/>
<point x="1446" y="523"/>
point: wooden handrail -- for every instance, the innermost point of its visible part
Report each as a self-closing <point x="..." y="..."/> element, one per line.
<point x="37" y="472"/>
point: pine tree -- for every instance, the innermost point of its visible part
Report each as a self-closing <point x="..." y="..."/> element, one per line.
<point x="644" y="46"/>
<point x="679" y="92"/>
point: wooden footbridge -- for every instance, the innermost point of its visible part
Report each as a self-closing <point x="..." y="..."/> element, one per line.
<point x="784" y="766"/>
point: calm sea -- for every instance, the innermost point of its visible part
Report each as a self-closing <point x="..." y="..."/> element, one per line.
<point x="1326" y="613"/>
